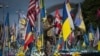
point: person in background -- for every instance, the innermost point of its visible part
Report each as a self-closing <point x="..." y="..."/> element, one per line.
<point x="49" y="36"/>
<point x="78" y="38"/>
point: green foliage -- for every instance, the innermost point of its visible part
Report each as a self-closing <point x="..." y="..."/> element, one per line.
<point x="89" y="10"/>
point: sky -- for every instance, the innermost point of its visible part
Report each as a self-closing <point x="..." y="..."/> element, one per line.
<point x="12" y="6"/>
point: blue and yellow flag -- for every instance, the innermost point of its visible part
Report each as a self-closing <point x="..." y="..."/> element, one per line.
<point x="69" y="10"/>
<point x="66" y="28"/>
<point x="42" y="10"/>
<point x="79" y="19"/>
<point x="40" y="22"/>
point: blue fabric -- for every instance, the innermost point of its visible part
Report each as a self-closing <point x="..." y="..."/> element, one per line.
<point x="86" y="39"/>
<point x="91" y="28"/>
<point x="28" y="28"/>
<point x="78" y="20"/>
<point x="42" y="13"/>
<point x="65" y="15"/>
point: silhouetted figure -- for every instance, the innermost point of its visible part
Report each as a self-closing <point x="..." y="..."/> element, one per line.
<point x="79" y="38"/>
<point x="49" y="38"/>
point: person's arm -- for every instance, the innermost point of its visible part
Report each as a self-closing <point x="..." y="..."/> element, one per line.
<point x="49" y="27"/>
<point x="46" y="27"/>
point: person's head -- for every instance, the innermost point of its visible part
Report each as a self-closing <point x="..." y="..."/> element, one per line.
<point x="50" y="18"/>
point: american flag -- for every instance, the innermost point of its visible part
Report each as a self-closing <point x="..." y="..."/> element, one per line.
<point x="57" y="22"/>
<point x="33" y="11"/>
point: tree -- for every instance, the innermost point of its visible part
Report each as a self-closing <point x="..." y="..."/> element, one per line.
<point x="89" y="10"/>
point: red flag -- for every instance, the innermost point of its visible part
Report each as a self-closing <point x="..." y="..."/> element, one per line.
<point x="28" y="37"/>
<point x="57" y="22"/>
<point x="33" y="10"/>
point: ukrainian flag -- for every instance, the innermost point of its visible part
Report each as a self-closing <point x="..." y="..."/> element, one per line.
<point x="42" y="7"/>
<point x="43" y="18"/>
<point x="69" y="9"/>
<point x="66" y="28"/>
<point x="79" y="20"/>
